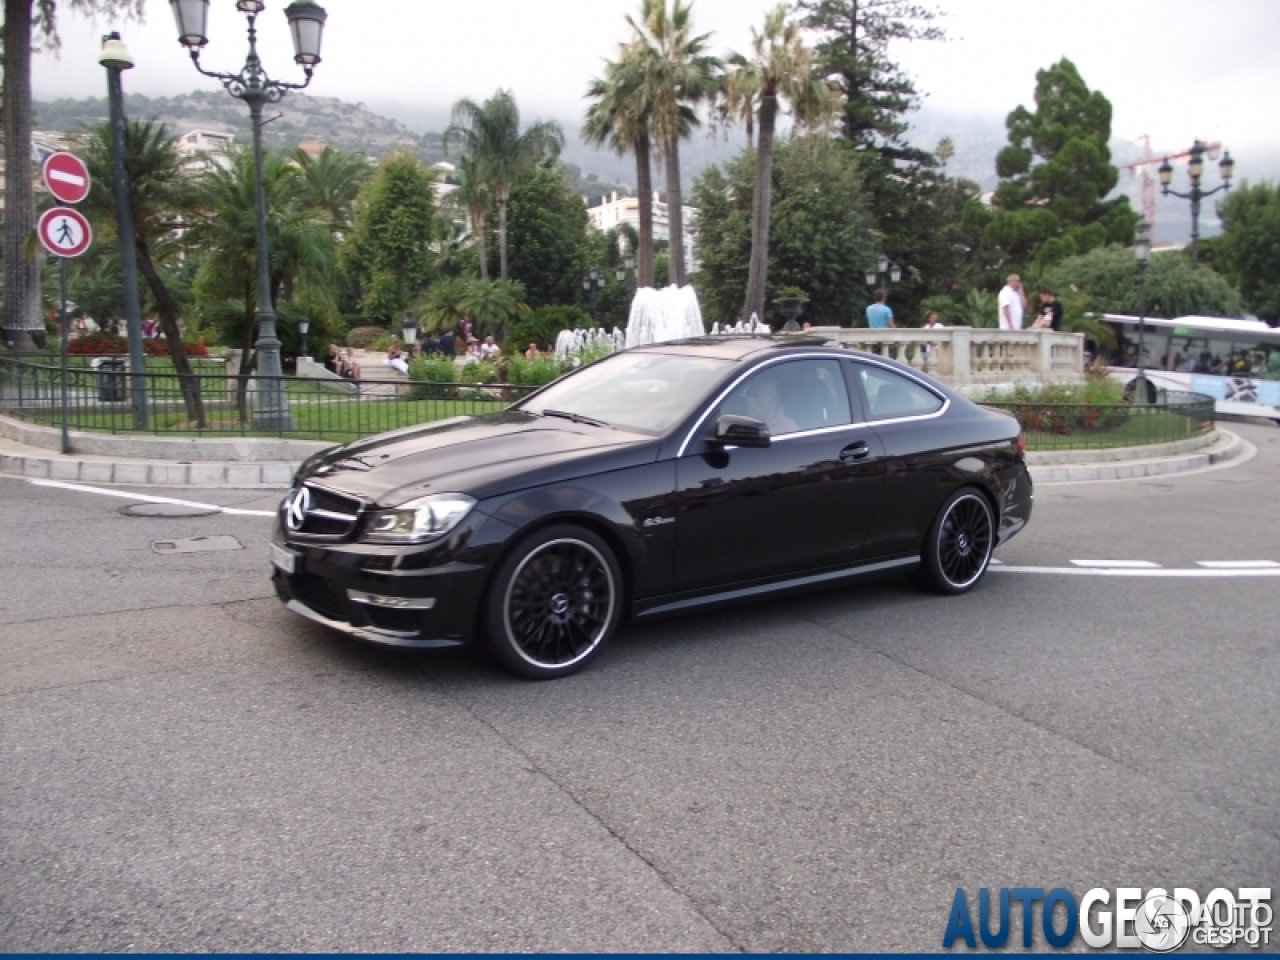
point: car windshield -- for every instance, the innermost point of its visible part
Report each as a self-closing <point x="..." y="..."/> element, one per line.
<point x="647" y="392"/>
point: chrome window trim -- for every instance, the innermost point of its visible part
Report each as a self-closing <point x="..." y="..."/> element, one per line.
<point x="746" y="373"/>
<point x="946" y="401"/>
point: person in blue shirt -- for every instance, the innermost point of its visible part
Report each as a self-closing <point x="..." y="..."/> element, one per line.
<point x="879" y="316"/>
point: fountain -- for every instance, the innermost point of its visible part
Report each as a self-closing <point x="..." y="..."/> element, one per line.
<point x="661" y="315"/>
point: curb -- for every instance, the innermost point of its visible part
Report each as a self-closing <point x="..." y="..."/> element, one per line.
<point x="1228" y="448"/>
<point x="18" y="462"/>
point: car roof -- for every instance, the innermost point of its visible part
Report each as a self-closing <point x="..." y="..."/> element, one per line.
<point x="734" y="347"/>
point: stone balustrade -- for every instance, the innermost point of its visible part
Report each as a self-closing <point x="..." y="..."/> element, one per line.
<point x="972" y="356"/>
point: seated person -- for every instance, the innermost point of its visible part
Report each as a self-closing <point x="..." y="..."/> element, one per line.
<point x="333" y="360"/>
<point x="349" y="368"/>
<point x="531" y="351"/>
<point x="489" y="350"/>
<point x="761" y="398"/>
<point x="395" y="359"/>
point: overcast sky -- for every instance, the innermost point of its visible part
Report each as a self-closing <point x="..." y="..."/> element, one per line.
<point x="1174" y="69"/>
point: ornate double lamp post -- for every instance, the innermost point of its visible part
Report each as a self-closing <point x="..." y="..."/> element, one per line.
<point x="254" y="87"/>
<point x="883" y="267"/>
<point x="592" y="284"/>
<point x="1195" y="168"/>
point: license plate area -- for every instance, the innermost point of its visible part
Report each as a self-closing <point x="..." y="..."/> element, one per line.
<point x="286" y="560"/>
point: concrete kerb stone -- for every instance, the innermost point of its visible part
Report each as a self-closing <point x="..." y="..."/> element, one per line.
<point x="1227" y="447"/>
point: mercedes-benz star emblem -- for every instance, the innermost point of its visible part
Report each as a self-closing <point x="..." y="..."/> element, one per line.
<point x="296" y="506"/>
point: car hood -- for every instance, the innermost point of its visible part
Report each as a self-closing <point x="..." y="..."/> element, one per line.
<point x="482" y="456"/>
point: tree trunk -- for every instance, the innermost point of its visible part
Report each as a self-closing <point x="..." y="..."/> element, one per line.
<point x="479" y="223"/>
<point x="644" y="194"/>
<point x="757" y="274"/>
<point x="167" y="307"/>
<point x="675" y="212"/>
<point x="23" y="325"/>
<point x="502" y="234"/>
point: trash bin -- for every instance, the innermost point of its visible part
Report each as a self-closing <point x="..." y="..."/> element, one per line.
<point x="111" y="381"/>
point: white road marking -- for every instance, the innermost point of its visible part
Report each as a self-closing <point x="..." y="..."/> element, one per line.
<point x="65" y="177"/>
<point x="1118" y="564"/>
<point x="1200" y="573"/>
<point x="1238" y="564"/>
<point x="147" y="498"/>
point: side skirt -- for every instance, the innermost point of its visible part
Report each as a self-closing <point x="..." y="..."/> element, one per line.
<point x="881" y="568"/>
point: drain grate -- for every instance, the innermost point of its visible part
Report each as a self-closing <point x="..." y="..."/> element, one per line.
<point x="196" y="545"/>
<point x="169" y="510"/>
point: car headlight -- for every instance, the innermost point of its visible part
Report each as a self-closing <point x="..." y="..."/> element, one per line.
<point x="419" y="520"/>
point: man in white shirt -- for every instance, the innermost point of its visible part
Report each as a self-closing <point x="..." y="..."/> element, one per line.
<point x="1013" y="303"/>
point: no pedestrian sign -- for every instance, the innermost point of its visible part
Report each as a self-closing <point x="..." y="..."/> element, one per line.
<point x="66" y="176"/>
<point x="64" y="232"/>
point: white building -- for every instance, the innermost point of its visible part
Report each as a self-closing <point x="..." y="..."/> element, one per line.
<point x="202" y="149"/>
<point x="616" y="210"/>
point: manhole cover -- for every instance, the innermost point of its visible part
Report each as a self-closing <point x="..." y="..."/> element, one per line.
<point x="196" y="545"/>
<point x="169" y="510"/>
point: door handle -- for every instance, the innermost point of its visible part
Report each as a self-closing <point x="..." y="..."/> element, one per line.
<point x="855" y="451"/>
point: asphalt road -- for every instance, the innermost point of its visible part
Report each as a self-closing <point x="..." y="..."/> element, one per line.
<point x="186" y="766"/>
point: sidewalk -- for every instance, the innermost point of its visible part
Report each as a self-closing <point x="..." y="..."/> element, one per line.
<point x="234" y="462"/>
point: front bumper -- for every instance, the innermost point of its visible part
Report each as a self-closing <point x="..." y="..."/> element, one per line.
<point x="412" y="598"/>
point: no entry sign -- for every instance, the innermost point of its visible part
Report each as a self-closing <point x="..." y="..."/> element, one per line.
<point x="66" y="176"/>
<point x="64" y="232"/>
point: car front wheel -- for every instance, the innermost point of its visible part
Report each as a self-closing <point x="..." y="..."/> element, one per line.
<point x="553" y="602"/>
<point x="958" y="548"/>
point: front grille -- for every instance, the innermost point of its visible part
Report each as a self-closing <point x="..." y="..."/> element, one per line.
<point x="330" y="514"/>
<point x="320" y="595"/>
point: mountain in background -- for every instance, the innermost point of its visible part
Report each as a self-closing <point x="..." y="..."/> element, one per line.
<point x="378" y="129"/>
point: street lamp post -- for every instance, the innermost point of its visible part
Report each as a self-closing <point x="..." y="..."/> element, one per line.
<point x="883" y="267"/>
<point x="593" y="283"/>
<point x="1195" y="167"/>
<point x="254" y="87"/>
<point x="115" y="57"/>
<point x="304" y="325"/>
<point x="409" y="331"/>
<point x="1142" y="250"/>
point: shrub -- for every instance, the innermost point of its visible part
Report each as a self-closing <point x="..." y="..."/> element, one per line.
<point x="361" y="337"/>
<point x="479" y="371"/>
<point x="433" y="377"/>
<point x="98" y="344"/>
<point x="533" y="373"/>
<point x="159" y="347"/>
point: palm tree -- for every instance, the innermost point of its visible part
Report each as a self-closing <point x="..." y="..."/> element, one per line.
<point x="780" y="68"/>
<point x="299" y="239"/>
<point x="493" y="303"/>
<point x="619" y="117"/>
<point x="680" y="74"/>
<point x="490" y="133"/>
<point x="475" y="197"/>
<point x="330" y="184"/>
<point x="162" y="200"/>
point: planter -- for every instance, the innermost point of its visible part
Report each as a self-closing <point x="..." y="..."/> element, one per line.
<point x="791" y="308"/>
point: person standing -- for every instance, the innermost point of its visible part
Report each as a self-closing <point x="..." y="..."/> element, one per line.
<point x="927" y="350"/>
<point x="1050" y="311"/>
<point x="447" y="345"/>
<point x="1013" y="303"/>
<point x="879" y="316"/>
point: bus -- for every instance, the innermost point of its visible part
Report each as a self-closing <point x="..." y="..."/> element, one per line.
<point x="1237" y="362"/>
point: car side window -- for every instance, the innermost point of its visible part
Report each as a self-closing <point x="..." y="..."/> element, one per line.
<point x="890" y="395"/>
<point x="793" y="396"/>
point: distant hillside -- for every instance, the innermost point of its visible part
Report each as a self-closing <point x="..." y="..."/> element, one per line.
<point x="298" y="118"/>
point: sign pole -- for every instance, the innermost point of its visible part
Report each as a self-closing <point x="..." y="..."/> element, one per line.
<point x="65" y="331"/>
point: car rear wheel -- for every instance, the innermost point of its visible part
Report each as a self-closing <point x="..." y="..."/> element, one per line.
<point x="958" y="549"/>
<point x="553" y="603"/>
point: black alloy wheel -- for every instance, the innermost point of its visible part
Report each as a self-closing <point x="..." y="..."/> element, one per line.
<point x="553" y="602"/>
<point x="958" y="549"/>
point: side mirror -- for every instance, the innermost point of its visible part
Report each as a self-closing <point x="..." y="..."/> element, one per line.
<point x="735" y="430"/>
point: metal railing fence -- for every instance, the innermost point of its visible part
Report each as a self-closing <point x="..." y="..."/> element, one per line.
<point x="1096" y="426"/>
<point x="98" y="399"/>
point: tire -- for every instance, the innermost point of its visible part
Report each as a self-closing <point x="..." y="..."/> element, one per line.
<point x="958" y="548"/>
<point x="553" y="602"/>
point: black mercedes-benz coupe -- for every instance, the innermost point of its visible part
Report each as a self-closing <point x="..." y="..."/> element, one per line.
<point x="657" y="480"/>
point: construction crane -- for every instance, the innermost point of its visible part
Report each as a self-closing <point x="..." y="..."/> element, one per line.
<point x="1149" y="159"/>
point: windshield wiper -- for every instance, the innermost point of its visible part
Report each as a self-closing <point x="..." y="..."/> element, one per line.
<point x="575" y="417"/>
